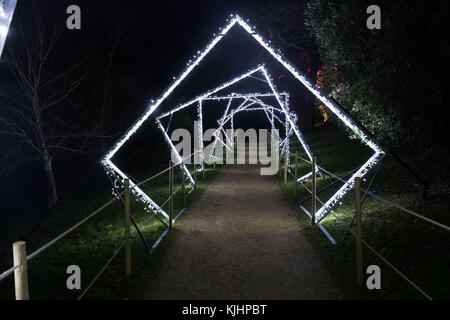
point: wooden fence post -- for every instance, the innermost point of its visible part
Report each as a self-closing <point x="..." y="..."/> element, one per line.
<point x="295" y="174"/>
<point x="170" y="193"/>
<point x="127" y="227"/>
<point x="21" y="273"/>
<point x="286" y="155"/>
<point x="281" y="163"/>
<point x="183" y="186"/>
<point x="359" y="262"/>
<point x="280" y="166"/>
<point x="195" y="176"/>
<point x="313" y="192"/>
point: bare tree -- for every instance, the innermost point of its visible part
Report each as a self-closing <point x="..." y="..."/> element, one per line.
<point x="36" y="111"/>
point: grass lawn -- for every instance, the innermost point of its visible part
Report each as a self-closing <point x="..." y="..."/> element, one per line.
<point x="418" y="249"/>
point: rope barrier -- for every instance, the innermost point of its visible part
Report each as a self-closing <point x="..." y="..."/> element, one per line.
<point x="443" y="226"/>
<point x="170" y="197"/>
<point x="146" y="186"/>
<point x="164" y="171"/>
<point x="8" y="272"/>
<point x="102" y="270"/>
<point x="392" y="266"/>
<point x="59" y="237"/>
<point x="370" y="247"/>
<point x="62" y="235"/>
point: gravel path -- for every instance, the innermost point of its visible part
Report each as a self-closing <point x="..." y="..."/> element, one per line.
<point x="240" y="240"/>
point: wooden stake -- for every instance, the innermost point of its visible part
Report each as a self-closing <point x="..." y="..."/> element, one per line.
<point x="21" y="273"/>
<point x="195" y="175"/>
<point x="183" y="182"/>
<point x="281" y="164"/>
<point x="285" y="165"/>
<point x="170" y="193"/>
<point x="359" y="262"/>
<point x="313" y="191"/>
<point x="127" y="227"/>
<point x="295" y="174"/>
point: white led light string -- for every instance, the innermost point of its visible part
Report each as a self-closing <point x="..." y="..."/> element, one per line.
<point x="236" y="20"/>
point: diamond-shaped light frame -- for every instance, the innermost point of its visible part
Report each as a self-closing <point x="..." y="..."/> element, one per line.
<point x="330" y="104"/>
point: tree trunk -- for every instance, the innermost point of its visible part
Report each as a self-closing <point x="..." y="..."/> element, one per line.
<point x="51" y="183"/>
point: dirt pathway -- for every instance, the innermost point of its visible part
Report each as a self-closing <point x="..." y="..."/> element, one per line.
<point x="240" y="240"/>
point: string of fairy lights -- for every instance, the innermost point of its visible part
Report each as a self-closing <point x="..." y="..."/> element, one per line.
<point x="276" y="54"/>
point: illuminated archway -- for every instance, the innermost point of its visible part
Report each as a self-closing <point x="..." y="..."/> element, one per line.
<point x="330" y="104"/>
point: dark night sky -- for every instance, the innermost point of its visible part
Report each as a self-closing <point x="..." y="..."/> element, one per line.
<point x="158" y="38"/>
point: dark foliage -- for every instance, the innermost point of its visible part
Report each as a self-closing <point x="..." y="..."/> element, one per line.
<point x="394" y="79"/>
